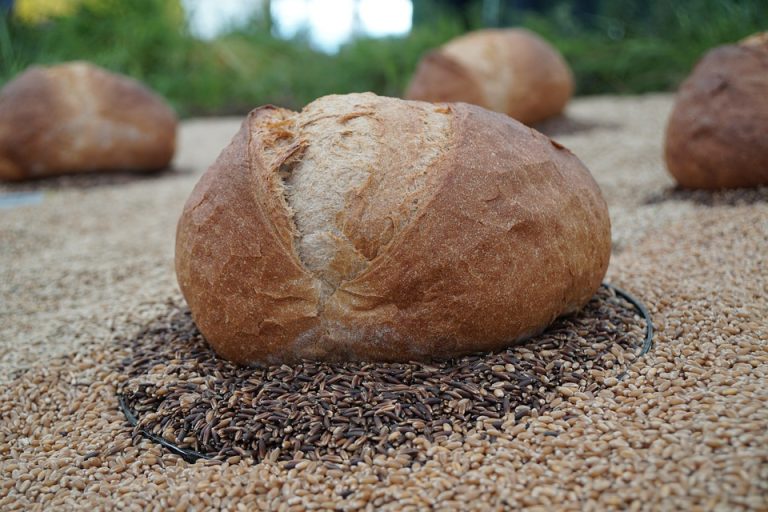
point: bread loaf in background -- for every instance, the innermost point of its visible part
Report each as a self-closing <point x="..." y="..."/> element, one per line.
<point x="513" y="71"/>
<point x="717" y="134"/>
<point x="76" y="117"/>
<point x="372" y="228"/>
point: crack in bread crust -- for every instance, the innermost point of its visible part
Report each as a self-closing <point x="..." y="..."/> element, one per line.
<point x="356" y="182"/>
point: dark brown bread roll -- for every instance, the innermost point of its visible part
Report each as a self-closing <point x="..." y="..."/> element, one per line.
<point x="717" y="135"/>
<point x="513" y="71"/>
<point x="371" y="228"/>
<point x="76" y="117"/>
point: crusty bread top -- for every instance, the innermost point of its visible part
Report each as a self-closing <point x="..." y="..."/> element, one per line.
<point x="445" y="229"/>
<point x="513" y="71"/>
<point x="77" y="117"/>
<point x="487" y="54"/>
<point x="517" y="69"/>
<point x="716" y="133"/>
<point x="361" y="144"/>
<point x="759" y="40"/>
<point x="441" y="79"/>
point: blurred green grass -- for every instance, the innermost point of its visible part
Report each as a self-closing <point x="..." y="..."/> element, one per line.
<point x="633" y="46"/>
<point x="624" y="46"/>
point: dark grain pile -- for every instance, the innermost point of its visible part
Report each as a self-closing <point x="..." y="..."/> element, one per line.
<point x="339" y="413"/>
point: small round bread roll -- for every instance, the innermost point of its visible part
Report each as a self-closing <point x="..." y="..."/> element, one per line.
<point x="378" y="229"/>
<point x="76" y="117"/>
<point x="717" y="135"/>
<point x="513" y="71"/>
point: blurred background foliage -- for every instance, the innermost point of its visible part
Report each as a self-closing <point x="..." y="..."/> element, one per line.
<point x="613" y="46"/>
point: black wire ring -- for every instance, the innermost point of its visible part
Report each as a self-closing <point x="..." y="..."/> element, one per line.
<point x="187" y="455"/>
<point x="192" y="455"/>
<point x="640" y="307"/>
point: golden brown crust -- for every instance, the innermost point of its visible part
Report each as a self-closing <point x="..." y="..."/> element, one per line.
<point x="27" y="109"/>
<point x="513" y="71"/>
<point x="498" y="249"/>
<point x="542" y="82"/>
<point x="235" y="260"/>
<point x="510" y="231"/>
<point x="440" y="78"/>
<point x="716" y="134"/>
<point x="76" y="117"/>
<point x="759" y="40"/>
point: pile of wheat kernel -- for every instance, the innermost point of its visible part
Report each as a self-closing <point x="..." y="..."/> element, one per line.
<point x="338" y="413"/>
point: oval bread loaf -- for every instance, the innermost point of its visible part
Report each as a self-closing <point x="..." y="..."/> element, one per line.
<point x="77" y="117"/>
<point x="372" y="228"/>
<point x="717" y="134"/>
<point x="513" y="71"/>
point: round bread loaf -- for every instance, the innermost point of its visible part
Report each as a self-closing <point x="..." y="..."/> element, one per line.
<point x="76" y="117"/>
<point x="717" y="134"/>
<point x="513" y="71"/>
<point x="371" y="228"/>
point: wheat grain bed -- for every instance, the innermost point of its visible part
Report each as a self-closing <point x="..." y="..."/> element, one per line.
<point x="86" y="265"/>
